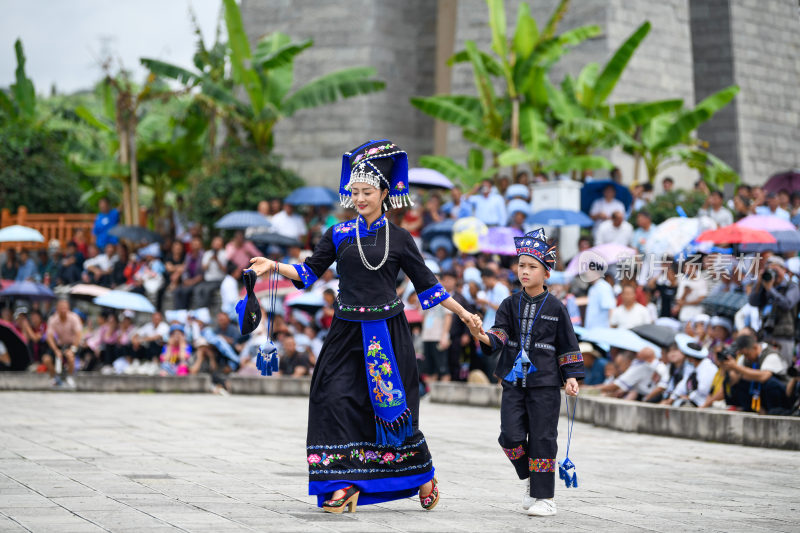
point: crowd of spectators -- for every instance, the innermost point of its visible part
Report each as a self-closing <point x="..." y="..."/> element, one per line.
<point x="193" y="278"/>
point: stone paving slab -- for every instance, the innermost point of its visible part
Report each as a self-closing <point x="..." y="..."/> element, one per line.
<point x="181" y="462"/>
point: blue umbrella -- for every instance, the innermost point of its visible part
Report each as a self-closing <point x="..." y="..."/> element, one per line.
<point x="20" y="234"/>
<point x="594" y="190"/>
<point x="242" y="220"/>
<point x="443" y="228"/>
<point x="788" y="241"/>
<point x="312" y="196"/>
<point x="29" y="290"/>
<point x="624" y="339"/>
<point x="559" y="217"/>
<point x="125" y="300"/>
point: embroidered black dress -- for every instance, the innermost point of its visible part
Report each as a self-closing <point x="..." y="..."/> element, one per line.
<point x="341" y="442"/>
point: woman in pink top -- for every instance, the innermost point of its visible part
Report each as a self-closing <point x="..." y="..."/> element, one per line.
<point x="239" y="251"/>
<point x="109" y="339"/>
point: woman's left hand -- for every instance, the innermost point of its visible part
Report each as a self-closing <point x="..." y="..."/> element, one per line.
<point x="571" y="387"/>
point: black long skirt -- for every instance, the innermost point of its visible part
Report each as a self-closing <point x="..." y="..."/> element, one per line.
<point x="341" y="421"/>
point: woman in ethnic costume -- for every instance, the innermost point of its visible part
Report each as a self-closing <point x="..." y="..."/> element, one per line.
<point x="364" y="442"/>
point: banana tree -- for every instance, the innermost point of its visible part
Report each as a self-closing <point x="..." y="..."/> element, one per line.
<point x="518" y="65"/>
<point x="23" y="106"/>
<point x="667" y="140"/>
<point x="266" y="75"/>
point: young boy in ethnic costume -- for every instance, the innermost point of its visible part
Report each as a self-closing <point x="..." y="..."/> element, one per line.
<point x="539" y="355"/>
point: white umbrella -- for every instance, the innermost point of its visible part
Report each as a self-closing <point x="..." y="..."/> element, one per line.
<point x="20" y="234"/>
<point x="675" y="234"/>
<point x="428" y="178"/>
<point x="125" y="300"/>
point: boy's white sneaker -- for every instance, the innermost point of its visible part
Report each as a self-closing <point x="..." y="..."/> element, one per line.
<point x="527" y="499"/>
<point x="543" y="507"/>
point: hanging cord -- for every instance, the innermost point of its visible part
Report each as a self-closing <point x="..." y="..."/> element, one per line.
<point x="570" y="422"/>
<point x="267" y="361"/>
<point x="564" y="467"/>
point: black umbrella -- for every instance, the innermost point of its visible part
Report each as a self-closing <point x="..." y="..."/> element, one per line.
<point x="277" y="239"/>
<point x="660" y="335"/>
<point x="443" y="228"/>
<point x="136" y="234"/>
<point x="16" y="346"/>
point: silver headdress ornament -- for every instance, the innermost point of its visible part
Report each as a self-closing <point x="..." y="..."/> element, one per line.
<point x="381" y="164"/>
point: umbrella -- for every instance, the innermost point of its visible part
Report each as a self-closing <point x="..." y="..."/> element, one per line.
<point x="84" y="289"/>
<point x="413" y="315"/>
<point x="594" y="190"/>
<point x="20" y="234"/>
<point x="242" y="219"/>
<point x="312" y="196"/>
<point x="725" y="303"/>
<point x="518" y="190"/>
<point x="660" y="335"/>
<point x="136" y="234"/>
<point x="267" y="237"/>
<point x="518" y="204"/>
<point x="624" y="339"/>
<point x="427" y="178"/>
<point x="560" y="217"/>
<point x="16" y="346"/>
<point x="788" y="241"/>
<point x="125" y="300"/>
<point x="310" y="302"/>
<point x="29" y="290"/>
<point x="499" y="240"/>
<point x="736" y="234"/>
<point x="767" y="223"/>
<point x="443" y="228"/>
<point x="611" y="254"/>
<point x="674" y="234"/>
<point x="789" y="180"/>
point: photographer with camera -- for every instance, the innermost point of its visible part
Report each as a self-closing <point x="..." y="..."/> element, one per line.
<point x="756" y="381"/>
<point x="776" y="296"/>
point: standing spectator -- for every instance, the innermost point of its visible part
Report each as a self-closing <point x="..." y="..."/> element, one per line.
<point x="173" y="267"/>
<point x="629" y="313"/>
<point x="495" y="293"/>
<point x="617" y="230"/>
<point x="436" y="323"/>
<point x="772" y="208"/>
<point x="458" y="206"/>
<point x="667" y="184"/>
<point x="292" y="362"/>
<point x="240" y="251"/>
<point x="489" y="206"/>
<point x="288" y="223"/>
<point x="106" y="219"/>
<point x="776" y="296"/>
<point x="64" y="333"/>
<point x="692" y="290"/>
<point x="461" y="345"/>
<point x="714" y="208"/>
<point x="11" y="266"/>
<point x="432" y="212"/>
<point x="601" y="301"/>
<point x="639" y="201"/>
<point x="666" y="287"/>
<point x="191" y="275"/>
<point x="214" y="263"/>
<point x="27" y="267"/>
<point x="229" y="289"/>
<point x="603" y="208"/>
<point x="644" y="229"/>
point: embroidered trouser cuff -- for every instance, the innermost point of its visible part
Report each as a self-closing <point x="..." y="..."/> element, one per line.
<point x="517" y="454"/>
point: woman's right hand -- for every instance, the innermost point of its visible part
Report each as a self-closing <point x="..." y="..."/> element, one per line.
<point x="261" y="265"/>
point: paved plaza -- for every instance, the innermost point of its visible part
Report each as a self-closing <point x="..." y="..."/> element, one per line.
<point x="73" y="462"/>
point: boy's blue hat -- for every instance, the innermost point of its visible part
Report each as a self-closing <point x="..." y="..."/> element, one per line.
<point x="381" y="164"/>
<point x="248" y="308"/>
<point x="534" y="244"/>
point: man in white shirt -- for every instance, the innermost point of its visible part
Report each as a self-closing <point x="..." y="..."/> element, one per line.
<point x="602" y="208"/>
<point x="148" y="339"/>
<point x="489" y="207"/>
<point x="616" y="230"/>
<point x="629" y="313"/>
<point x="772" y="208"/>
<point x="229" y="290"/>
<point x="495" y="293"/>
<point x="716" y="210"/>
<point x="692" y="290"/>
<point x="289" y="224"/>
<point x="214" y="262"/>
<point x="638" y="380"/>
<point x="695" y="387"/>
<point x="601" y="301"/>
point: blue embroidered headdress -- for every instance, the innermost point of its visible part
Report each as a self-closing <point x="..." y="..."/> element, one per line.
<point x="381" y="164"/>
<point x="534" y="244"/>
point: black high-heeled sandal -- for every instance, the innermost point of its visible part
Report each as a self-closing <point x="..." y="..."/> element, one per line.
<point x="338" y="505"/>
<point x="429" y="502"/>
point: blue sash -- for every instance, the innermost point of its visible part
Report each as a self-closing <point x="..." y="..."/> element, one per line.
<point x="392" y="415"/>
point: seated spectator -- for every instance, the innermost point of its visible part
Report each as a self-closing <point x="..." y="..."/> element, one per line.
<point x="458" y="206"/>
<point x="644" y="229"/>
<point x="34" y="330"/>
<point x="442" y="248"/>
<point x="692" y="290"/>
<point x="97" y="268"/>
<point x="603" y="208"/>
<point x="213" y="263"/>
<point x="432" y="212"/>
<point x="92" y="344"/>
<point x="71" y="266"/>
<point x="629" y="313"/>
<point x="772" y="207"/>
<point x="109" y="340"/>
<point x="757" y="379"/>
<point x="126" y="332"/>
<point x="289" y="224"/>
<point x="489" y="206"/>
<point x="79" y="237"/>
<point x="173" y="267"/>
<point x="148" y="341"/>
<point x="594" y="364"/>
<point x="677" y="367"/>
<point x="47" y="266"/>
<point x="240" y="251"/>
<point x="64" y="333"/>
<point x="10" y="266"/>
<point x="149" y="279"/>
<point x="637" y="381"/>
<point x="176" y="353"/>
<point x="28" y="270"/>
<point x="229" y="289"/>
<point x="616" y="230"/>
<point x="124" y="268"/>
<point x="714" y="208"/>
<point x="292" y="362"/>
<point x="719" y="334"/>
<point x="327" y="310"/>
<point x="191" y="275"/>
<point x="695" y="386"/>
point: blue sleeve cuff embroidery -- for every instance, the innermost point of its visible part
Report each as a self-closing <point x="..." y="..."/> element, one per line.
<point x="433" y="296"/>
<point x="307" y="278"/>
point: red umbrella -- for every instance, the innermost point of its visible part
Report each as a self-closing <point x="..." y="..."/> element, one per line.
<point x="736" y="234"/>
<point x="789" y="180"/>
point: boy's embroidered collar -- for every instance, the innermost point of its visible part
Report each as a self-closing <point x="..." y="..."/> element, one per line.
<point x="534" y="299"/>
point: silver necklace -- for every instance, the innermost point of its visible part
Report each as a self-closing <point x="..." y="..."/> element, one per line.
<point x="361" y="251"/>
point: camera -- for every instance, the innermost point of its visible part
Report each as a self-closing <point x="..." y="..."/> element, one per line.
<point x="793" y="371"/>
<point x="728" y="352"/>
<point x="768" y="275"/>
